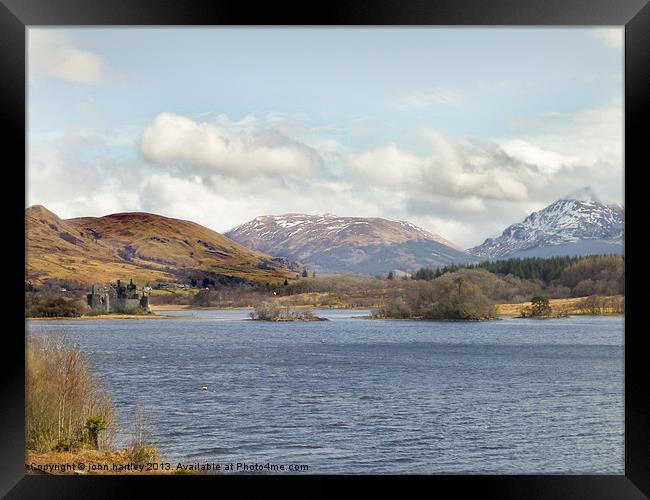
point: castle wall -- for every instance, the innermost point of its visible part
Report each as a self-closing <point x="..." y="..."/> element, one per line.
<point x="127" y="306"/>
<point x="99" y="302"/>
<point x="117" y="299"/>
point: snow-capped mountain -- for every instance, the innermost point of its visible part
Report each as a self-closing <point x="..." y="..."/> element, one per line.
<point x="327" y="242"/>
<point x="578" y="224"/>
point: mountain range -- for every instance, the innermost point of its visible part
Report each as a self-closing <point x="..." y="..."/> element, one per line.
<point x="331" y="243"/>
<point x="272" y="248"/>
<point x="578" y="224"/>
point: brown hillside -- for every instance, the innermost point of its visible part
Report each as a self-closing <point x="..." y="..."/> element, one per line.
<point x="142" y="246"/>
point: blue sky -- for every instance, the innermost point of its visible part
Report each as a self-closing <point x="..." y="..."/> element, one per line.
<point x="462" y="131"/>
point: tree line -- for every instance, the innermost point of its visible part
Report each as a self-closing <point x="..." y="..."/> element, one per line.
<point x="562" y="276"/>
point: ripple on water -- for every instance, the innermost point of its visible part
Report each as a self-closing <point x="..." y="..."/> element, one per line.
<point x="503" y="397"/>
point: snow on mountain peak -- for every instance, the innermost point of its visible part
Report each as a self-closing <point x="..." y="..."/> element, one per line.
<point x="578" y="217"/>
<point x="278" y="227"/>
<point x="359" y="244"/>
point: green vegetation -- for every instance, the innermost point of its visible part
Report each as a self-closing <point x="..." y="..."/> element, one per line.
<point x="557" y="277"/>
<point x="95" y="425"/>
<point x="540" y="306"/>
<point x="531" y="268"/>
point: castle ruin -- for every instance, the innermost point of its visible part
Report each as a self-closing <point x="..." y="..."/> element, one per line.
<point x="118" y="299"/>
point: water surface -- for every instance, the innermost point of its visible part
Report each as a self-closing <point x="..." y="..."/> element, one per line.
<point x="349" y="395"/>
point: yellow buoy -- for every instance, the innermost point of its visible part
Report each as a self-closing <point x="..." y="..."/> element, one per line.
<point x="204" y="388"/>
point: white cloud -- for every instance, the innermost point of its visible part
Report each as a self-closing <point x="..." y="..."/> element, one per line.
<point x="449" y="188"/>
<point x="547" y="161"/>
<point x="387" y="166"/>
<point x="224" y="172"/>
<point x="611" y="37"/>
<point x="588" y="143"/>
<point x="452" y="168"/>
<point x="52" y="53"/>
<point x="74" y="188"/>
<point x="223" y="149"/>
<point x="467" y="189"/>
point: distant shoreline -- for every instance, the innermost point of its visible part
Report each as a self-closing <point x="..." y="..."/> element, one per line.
<point x="161" y="316"/>
<point x="502" y="310"/>
<point x="102" y="317"/>
<point x="186" y="307"/>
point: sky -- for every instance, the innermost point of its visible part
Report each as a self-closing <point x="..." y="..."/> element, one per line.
<point x="462" y="131"/>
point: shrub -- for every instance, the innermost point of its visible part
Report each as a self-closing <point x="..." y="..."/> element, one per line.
<point x="270" y="311"/>
<point x="598" y="305"/>
<point x="94" y="425"/>
<point x="453" y="296"/>
<point x="424" y="273"/>
<point x="540" y="306"/>
<point x="266" y="311"/>
<point x="50" y="304"/>
<point x="62" y="394"/>
<point x="450" y="296"/>
<point x="396" y="307"/>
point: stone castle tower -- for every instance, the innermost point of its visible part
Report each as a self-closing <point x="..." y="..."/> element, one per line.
<point x="118" y="298"/>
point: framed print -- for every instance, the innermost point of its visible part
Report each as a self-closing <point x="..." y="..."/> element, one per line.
<point x="373" y="239"/>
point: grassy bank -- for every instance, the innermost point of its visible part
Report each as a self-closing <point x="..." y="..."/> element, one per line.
<point x="573" y="306"/>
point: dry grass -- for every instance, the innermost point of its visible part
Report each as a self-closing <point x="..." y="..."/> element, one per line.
<point x="61" y="395"/>
<point x="169" y="307"/>
<point x="146" y="247"/>
<point x="566" y="305"/>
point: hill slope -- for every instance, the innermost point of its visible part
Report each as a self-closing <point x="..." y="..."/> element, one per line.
<point x="578" y="224"/>
<point x="348" y="244"/>
<point x="142" y="246"/>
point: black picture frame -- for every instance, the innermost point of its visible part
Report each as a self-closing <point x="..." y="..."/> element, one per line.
<point x="15" y="15"/>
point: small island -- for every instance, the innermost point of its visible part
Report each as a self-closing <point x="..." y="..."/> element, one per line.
<point x="268" y="311"/>
<point x="452" y="297"/>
